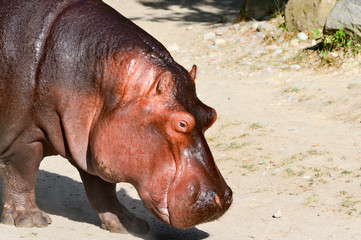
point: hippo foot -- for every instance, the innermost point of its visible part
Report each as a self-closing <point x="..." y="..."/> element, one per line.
<point x="31" y="218"/>
<point x="132" y="224"/>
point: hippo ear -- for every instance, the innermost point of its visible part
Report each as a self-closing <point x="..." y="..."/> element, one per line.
<point x="163" y="81"/>
<point x="193" y="72"/>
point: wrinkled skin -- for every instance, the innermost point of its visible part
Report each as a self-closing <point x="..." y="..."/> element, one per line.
<point x="80" y="80"/>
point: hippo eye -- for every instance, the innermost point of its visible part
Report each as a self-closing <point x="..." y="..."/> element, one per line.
<point x="182" y="122"/>
<point x="182" y="127"/>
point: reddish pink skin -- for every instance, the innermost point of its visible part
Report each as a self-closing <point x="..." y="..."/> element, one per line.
<point x="98" y="90"/>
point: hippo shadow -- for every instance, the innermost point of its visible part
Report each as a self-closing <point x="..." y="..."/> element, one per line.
<point x="63" y="196"/>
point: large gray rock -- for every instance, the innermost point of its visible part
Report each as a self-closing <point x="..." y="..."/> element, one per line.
<point x="345" y="15"/>
<point x="307" y="15"/>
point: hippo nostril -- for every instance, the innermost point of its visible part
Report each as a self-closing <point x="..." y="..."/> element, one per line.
<point x="217" y="200"/>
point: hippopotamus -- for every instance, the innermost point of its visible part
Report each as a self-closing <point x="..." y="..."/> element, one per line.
<point x="78" y="79"/>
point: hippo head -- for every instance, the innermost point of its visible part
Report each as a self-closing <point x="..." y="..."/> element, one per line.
<point x="150" y="133"/>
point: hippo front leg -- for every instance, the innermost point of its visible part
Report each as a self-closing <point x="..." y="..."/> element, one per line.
<point x="113" y="215"/>
<point x="19" y="172"/>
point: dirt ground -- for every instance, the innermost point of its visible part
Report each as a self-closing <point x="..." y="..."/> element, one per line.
<point x="287" y="139"/>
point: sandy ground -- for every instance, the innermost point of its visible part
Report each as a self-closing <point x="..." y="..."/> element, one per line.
<point x="287" y="140"/>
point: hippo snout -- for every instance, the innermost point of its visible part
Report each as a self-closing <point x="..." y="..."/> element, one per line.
<point x="213" y="204"/>
<point x="194" y="204"/>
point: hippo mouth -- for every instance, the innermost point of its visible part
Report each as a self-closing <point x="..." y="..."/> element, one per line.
<point x="157" y="202"/>
<point x="163" y="214"/>
<point x="161" y="208"/>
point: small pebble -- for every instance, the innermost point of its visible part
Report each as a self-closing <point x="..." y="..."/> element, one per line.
<point x="295" y="66"/>
<point x="265" y="27"/>
<point x="278" y="214"/>
<point x="217" y="24"/>
<point x="302" y="36"/>
<point x="219" y="41"/>
<point x="209" y="35"/>
<point x="334" y="54"/>
<point x="261" y="35"/>
<point x="219" y="32"/>
<point x="277" y="51"/>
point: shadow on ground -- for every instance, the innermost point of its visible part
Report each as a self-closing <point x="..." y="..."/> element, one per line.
<point x="204" y="11"/>
<point x="63" y="196"/>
